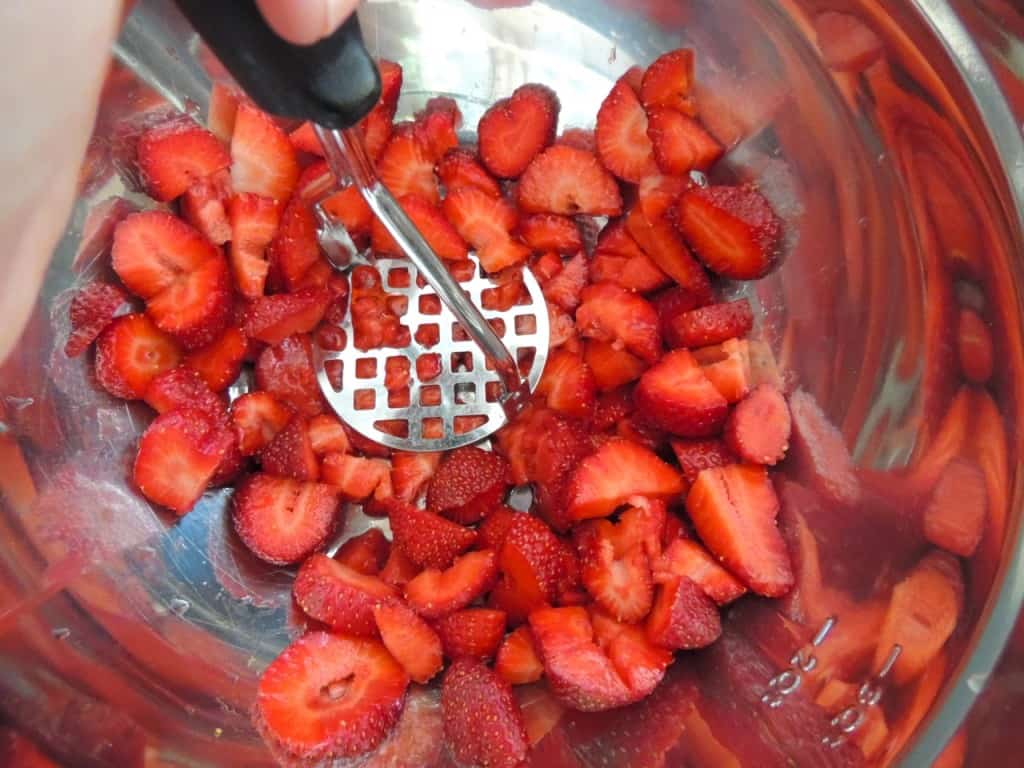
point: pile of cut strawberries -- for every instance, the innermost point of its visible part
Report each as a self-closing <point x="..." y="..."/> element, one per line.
<point x="648" y="445"/>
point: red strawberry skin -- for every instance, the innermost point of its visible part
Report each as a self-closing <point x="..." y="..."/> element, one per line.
<point x="281" y="520"/>
<point x="220" y="361"/>
<point x="174" y="156"/>
<point x="568" y="385"/>
<point x="290" y="453"/>
<point x="709" y="325"/>
<point x="460" y="168"/>
<point x="667" y="82"/>
<point x="434" y="593"/>
<point x="676" y="395"/>
<point x="513" y="131"/>
<point x="759" y="426"/>
<point x="130" y="353"/>
<point x="182" y="387"/>
<point x="366" y="552"/>
<point x="92" y="309"/>
<point x="621" y="134"/>
<point x="306" y="716"/>
<point x="472" y="633"/>
<point x="286" y="372"/>
<point x="611" y="313"/>
<point x="469" y="483"/>
<point x="683" y="617"/>
<point x="680" y="143"/>
<point x="568" y="181"/>
<point x="340" y="596"/>
<point x="483" y="724"/>
<point x="272" y="319"/>
<point x="688" y="558"/>
<point x="256" y="418"/>
<point x="427" y="539"/>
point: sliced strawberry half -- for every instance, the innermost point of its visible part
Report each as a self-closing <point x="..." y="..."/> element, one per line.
<point x="729" y="367"/>
<point x="176" y="155"/>
<point x="667" y="82"/>
<point x="282" y="520"/>
<point x="613" y="314"/>
<point x="327" y="435"/>
<point x="366" y="552"/>
<point x="480" y="217"/>
<point x="437" y="125"/>
<point x="410" y="473"/>
<point x="694" y="456"/>
<point x="687" y="558"/>
<point x="196" y="308"/>
<point x="639" y="662"/>
<point x="618" y="470"/>
<point x="733" y="509"/>
<point x="469" y="483"/>
<point x="178" y="455"/>
<point x="350" y="208"/>
<point x="182" y="387"/>
<point x="272" y="319"/>
<point x="435" y="593"/>
<point x="329" y="696"/>
<point x="340" y="596"/>
<point x="483" y="724"/>
<point x="130" y="353"/>
<point x="473" y="633"/>
<point x="759" y="426"/>
<point x="622" y="141"/>
<point x="357" y="478"/>
<point x="611" y="367"/>
<point x="262" y="159"/>
<point x="518" y="661"/>
<point x="550" y="232"/>
<point x="662" y="243"/>
<point x="709" y="325"/>
<point x="406" y="167"/>
<point x="286" y="372"/>
<point x="413" y="643"/>
<point x="295" y="250"/>
<point x="257" y="417"/>
<point x="531" y="560"/>
<point x="440" y="235"/>
<point x="675" y="395"/>
<point x="733" y="230"/>
<point x="565" y="289"/>
<point x="568" y="384"/>
<point x="578" y="672"/>
<point x="204" y="206"/>
<point x="427" y="539"/>
<point x="290" y="452"/>
<point x="399" y="570"/>
<point x="92" y="309"/>
<point x="304" y="139"/>
<point x="515" y="130"/>
<point x="568" y="181"/>
<point x="681" y="144"/>
<point x="460" y="168"/>
<point x="254" y="221"/>
<point x="220" y="361"/>
<point x="617" y="577"/>
<point x="683" y="617"/>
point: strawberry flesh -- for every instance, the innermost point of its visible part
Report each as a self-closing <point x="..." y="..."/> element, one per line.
<point x="517" y="661"/>
<point x="759" y="426"/>
<point x="435" y="593"/>
<point x="262" y="159"/>
<point x="339" y="596"/>
<point x="366" y="552"/>
<point x="712" y="324"/>
<point x="413" y="643"/>
<point x="174" y="156"/>
<point x="130" y="353"/>
<point x="514" y="130"/>
<point x="694" y="456"/>
<point x="621" y="134"/>
<point x="687" y="559"/>
<point x="286" y="372"/>
<point x="272" y="319"/>
<point x="256" y="418"/>
<point x="681" y="144"/>
<point x="667" y="82"/>
<point x="550" y="232"/>
<point x="568" y="181"/>
<point x="460" y="168"/>
<point x="613" y="314"/>
<point x="683" y="617"/>
<point x="220" y="361"/>
<point x="290" y="453"/>
<point x="675" y="395"/>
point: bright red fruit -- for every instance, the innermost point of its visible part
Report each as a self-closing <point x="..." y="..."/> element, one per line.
<point x="282" y="520"/>
<point x="130" y="353"/>
<point x="290" y="453"/>
<point x="295" y="250"/>
<point x="618" y="258"/>
<point x="286" y="372"/>
<point x="667" y="82"/>
<point x="611" y="367"/>
<point x="613" y="314"/>
<point x="675" y="395"/>
<point x="687" y="558"/>
<point x="621" y="134"/>
<point x="618" y="470"/>
<point x="366" y="552"/>
<point x="254" y="221"/>
<point x="410" y="473"/>
<point x="733" y="509"/>
<point x="514" y="130"/>
<point x="733" y="230"/>
<point x="460" y="168"/>
<point x="435" y="593"/>
<point x="568" y="181"/>
<point x="355" y="477"/>
<point x="568" y="384"/>
<point x="350" y="208"/>
<point x="662" y="243"/>
<point x="482" y="721"/>
<point x="92" y="309"/>
<point x="427" y="539"/>
<point x="204" y="206"/>
<point x="639" y="662"/>
<point x="565" y="289"/>
<point x="272" y="319"/>
<point x="174" y="156"/>
<point x="713" y="324"/>
<point x="468" y="484"/>
<point x="329" y="696"/>
<point x="957" y="513"/>
<point x="550" y="232"/>
<point x="518" y="661"/>
<point x="694" y="456"/>
<point x="220" y="361"/>
<point x="437" y="125"/>
<point x="178" y="455"/>
<point x="182" y="387"/>
<point x="257" y="417"/>
<point x="617" y="575"/>
<point x="262" y="159"/>
<point x="759" y="426"/>
<point x="681" y="144"/>
<point x="340" y="596"/>
<point x="683" y="616"/>
<point x="475" y="633"/>
<point x="407" y="168"/>
<point x="441" y="236"/>
<point x="413" y="643"/>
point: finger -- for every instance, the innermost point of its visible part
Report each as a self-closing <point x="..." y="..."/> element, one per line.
<point x="305" y="21"/>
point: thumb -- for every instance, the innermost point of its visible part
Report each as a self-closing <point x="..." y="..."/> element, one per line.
<point x="306" y="21"/>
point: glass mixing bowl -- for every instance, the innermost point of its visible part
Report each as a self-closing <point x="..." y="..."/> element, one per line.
<point x="130" y="638"/>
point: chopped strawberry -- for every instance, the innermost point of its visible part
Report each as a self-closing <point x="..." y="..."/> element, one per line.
<point x="758" y="428"/>
<point x="578" y="672"/>
<point x="410" y="473"/>
<point x="340" y="596"/>
<point x="565" y="288"/>
<point x="178" y="455"/>
<point x="922" y="614"/>
<point x="546" y="266"/>
<point x="639" y="662"/>
<point x="494" y="528"/>
<point x="975" y="350"/>
<point x="295" y="249"/>
<point x="709" y="325"/>
<point x="357" y="478"/>
<point x="479" y="217"/>
<point x="673" y="302"/>
<point x="377" y="128"/>
<point x="181" y="275"/>
<point x="517" y="661"/>
<point x="130" y="353"/>
<point x="733" y="230"/>
<point x="636" y="272"/>
<point x="581" y="138"/>
<point x="254" y="221"/>
<point x="92" y="309"/>
<point x="427" y="539"/>
<point x="182" y="387"/>
<point x="681" y="144"/>
<point x="957" y="511"/>
<point x="365" y="553"/>
<point x="729" y="367"/>
<point x="515" y="130"/>
<point x="667" y="82"/>
<point x="612" y="407"/>
<point x="281" y="520"/>
<point x="622" y="141"/>
<point x="286" y="372"/>
<point x="568" y="181"/>
<point x="413" y="643"/>
<point x="502" y="253"/>
<point x="733" y="509"/>
<point x="224" y="101"/>
<point x="272" y="319"/>
<point x="683" y="616"/>
<point x="407" y="168"/>
<point x="611" y="367"/>
<point x="257" y="417"/>
<point x="820" y="452"/>
<point x="568" y="385"/>
<point x="350" y="208"/>
<point x="618" y="470"/>
<point x="531" y="561"/>
<point x="475" y="633"/>
<point x="694" y="456"/>
<point x="550" y="232"/>
<point x="613" y="314"/>
<point x="399" y="569"/>
<point x="657" y="196"/>
<point x="617" y="575"/>
<point x="676" y="395"/>
<point x="662" y="243"/>
<point x="204" y="206"/>
<point x="468" y="484"/>
<point x="483" y="724"/>
<point x="174" y="156"/>
<point x="688" y="559"/>
<point x="329" y="696"/>
<point x="441" y="236"/>
<point x="220" y="361"/>
<point x="460" y="168"/>
<point x="290" y="453"/>
<point x="435" y="593"/>
<point x="304" y="139"/>
<point x="437" y="126"/>
<point x="262" y="159"/>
